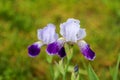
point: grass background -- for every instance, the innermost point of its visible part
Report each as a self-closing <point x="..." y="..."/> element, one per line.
<point x="20" y="19"/>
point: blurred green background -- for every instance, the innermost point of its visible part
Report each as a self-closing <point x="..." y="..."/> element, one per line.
<point x="20" y="19"/>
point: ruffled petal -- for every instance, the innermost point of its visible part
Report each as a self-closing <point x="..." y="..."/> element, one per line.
<point x="53" y="48"/>
<point x="47" y="34"/>
<point x="34" y="49"/>
<point x="81" y="34"/>
<point x="86" y="51"/>
<point x="70" y="29"/>
<point x="56" y="47"/>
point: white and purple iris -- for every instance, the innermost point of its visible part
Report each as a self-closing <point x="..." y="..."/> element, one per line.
<point x="71" y="32"/>
<point x="46" y="36"/>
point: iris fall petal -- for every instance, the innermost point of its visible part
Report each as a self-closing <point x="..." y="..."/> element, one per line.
<point x="86" y="51"/>
<point x="62" y="52"/>
<point x="53" y="48"/>
<point x="34" y="49"/>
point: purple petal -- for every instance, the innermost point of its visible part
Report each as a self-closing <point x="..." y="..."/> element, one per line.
<point x="53" y="48"/>
<point x="57" y="48"/>
<point x="34" y="49"/>
<point x="62" y="52"/>
<point x="86" y="51"/>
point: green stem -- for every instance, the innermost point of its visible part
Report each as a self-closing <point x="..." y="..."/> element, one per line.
<point x="52" y="72"/>
<point x="68" y="62"/>
<point x="66" y="68"/>
<point x="49" y="60"/>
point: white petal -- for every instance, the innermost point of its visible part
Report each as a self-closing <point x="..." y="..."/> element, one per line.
<point x="47" y="34"/>
<point x="81" y="34"/>
<point x="70" y="29"/>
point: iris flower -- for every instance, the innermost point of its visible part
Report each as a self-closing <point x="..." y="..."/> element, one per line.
<point x="46" y="36"/>
<point x="73" y="34"/>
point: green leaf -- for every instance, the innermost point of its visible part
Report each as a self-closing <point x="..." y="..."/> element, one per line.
<point x="56" y="73"/>
<point x="69" y="51"/>
<point x="49" y="59"/>
<point x="60" y="66"/>
<point x="92" y="75"/>
<point x="72" y="76"/>
<point x="115" y="72"/>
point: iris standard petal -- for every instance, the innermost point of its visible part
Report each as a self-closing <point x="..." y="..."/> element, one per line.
<point x="34" y="49"/>
<point x="70" y="29"/>
<point x="86" y="51"/>
<point x="81" y="34"/>
<point x="47" y="34"/>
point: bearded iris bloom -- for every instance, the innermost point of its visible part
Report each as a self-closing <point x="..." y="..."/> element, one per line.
<point x="46" y="36"/>
<point x="73" y="34"/>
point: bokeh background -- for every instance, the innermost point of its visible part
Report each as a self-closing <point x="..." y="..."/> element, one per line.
<point x="20" y="19"/>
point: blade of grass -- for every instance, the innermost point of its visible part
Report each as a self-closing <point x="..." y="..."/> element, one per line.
<point x="115" y="74"/>
<point x="92" y="75"/>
